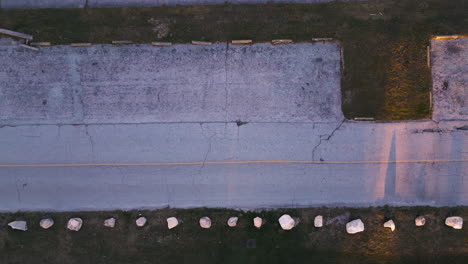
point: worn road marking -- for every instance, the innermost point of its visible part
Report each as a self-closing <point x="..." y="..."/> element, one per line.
<point x="231" y="163"/>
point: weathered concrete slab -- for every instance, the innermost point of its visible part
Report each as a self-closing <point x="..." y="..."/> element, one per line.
<point x="267" y="80"/>
<point x="179" y="83"/>
<point x="42" y="3"/>
<point x="356" y="181"/>
<point x="450" y="78"/>
<point x="33" y="90"/>
<point x="114" y="3"/>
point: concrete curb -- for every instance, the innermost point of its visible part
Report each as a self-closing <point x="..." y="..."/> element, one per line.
<point x="281" y="41"/>
<point x="161" y="43"/>
<point x="122" y="42"/>
<point x="41" y="44"/>
<point x="241" y="42"/>
<point x="15" y="34"/>
<point x="80" y="44"/>
<point x="28" y="47"/>
<point x="195" y="42"/>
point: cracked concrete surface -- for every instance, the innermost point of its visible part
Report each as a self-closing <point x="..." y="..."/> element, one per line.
<point x="180" y="83"/>
<point x="355" y="163"/>
<point x="114" y="3"/>
<point x="234" y="185"/>
<point x="450" y="78"/>
<point x="321" y="137"/>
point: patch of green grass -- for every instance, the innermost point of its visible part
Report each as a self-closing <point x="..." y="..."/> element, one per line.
<point x="423" y="109"/>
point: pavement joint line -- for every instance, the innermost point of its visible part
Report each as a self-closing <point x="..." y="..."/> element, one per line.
<point x="171" y="123"/>
<point x="134" y="164"/>
<point x="2" y="125"/>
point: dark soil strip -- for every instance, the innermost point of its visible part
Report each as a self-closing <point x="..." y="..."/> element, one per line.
<point x="188" y="243"/>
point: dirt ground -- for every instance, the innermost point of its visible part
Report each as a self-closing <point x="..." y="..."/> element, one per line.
<point x="188" y="243"/>
<point x="385" y="76"/>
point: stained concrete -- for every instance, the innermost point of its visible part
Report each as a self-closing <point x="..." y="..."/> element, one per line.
<point x="449" y="59"/>
<point x="180" y="83"/>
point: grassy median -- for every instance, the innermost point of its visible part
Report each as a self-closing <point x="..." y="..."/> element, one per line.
<point x="188" y="243"/>
<point x="386" y="74"/>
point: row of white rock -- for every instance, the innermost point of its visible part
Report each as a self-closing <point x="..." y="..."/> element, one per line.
<point x="286" y="222"/>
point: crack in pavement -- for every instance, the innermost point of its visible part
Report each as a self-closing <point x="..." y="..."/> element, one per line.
<point x="18" y="192"/>
<point x="209" y="139"/>
<point x="59" y="128"/>
<point x="328" y="137"/>
<point x="158" y="123"/>
<point x="226" y="82"/>
<point x="209" y="147"/>
<point x="91" y="141"/>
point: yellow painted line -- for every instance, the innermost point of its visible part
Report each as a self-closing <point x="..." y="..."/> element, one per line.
<point x="231" y="163"/>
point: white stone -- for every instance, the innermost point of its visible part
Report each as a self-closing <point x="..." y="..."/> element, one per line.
<point x="205" y="222"/>
<point x="287" y="222"/>
<point x="141" y="221"/>
<point x="19" y="225"/>
<point x="232" y="221"/>
<point x="318" y="221"/>
<point x="172" y="222"/>
<point x="420" y="221"/>
<point x="109" y="222"/>
<point x="46" y="223"/>
<point x="355" y="226"/>
<point x="456" y="222"/>
<point x="390" y="224"/>
<point x="75" y="224"/>
<point x="258" y="222"/>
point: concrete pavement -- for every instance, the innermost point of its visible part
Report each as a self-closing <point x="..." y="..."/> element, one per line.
<point x="438" y="178"/>
<point x="450" y="78"/>
<point x="74" y="134"/>
<point x="179" y="83"/>
<point x="10" y="4"/>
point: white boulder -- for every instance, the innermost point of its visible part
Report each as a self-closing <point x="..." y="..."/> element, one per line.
<point x="109" y="222"/>
<point x="232" y="221"/>
<point x="172" y="222"/>
<point x="355" y="226"/>
<point x="420" y="221"/>
<point x="74" y="224"/>
<point x="286" y="222"/>
<point x="390" y="224"/>
<point x="19" y="225"/>
<point x="46" y="223"/>
<point x="205" y="222"/>
<point x="141" y="221"/>
<point x="456" y="222"/>
<point x="318" y="221"/>
<point x="258" y="222"/>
